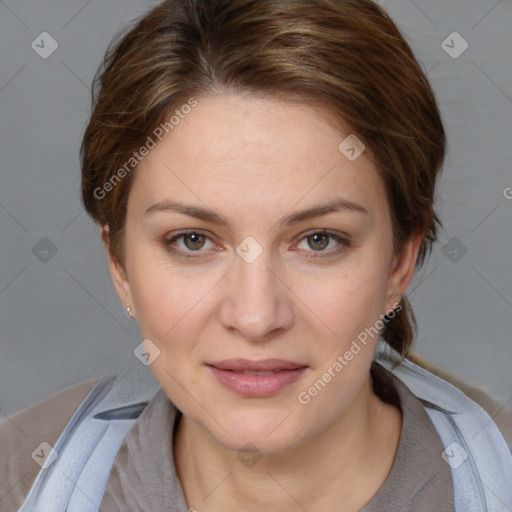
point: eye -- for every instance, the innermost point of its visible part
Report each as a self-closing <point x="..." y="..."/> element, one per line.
<point x="192" y="241"/>
<point x="318" y="241"/>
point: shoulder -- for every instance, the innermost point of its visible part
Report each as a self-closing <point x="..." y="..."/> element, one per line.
<point x="23" y="432"/>
<point x="473" y="446"/>
<point x="500" y="414"/>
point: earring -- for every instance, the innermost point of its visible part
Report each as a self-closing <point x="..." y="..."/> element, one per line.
<point x="128" y="310"/>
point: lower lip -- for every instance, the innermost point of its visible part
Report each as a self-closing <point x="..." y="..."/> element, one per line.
<point x="257" y="385"/>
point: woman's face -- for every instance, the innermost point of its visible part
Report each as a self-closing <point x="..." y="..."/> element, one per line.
<point x="264" y="274"/>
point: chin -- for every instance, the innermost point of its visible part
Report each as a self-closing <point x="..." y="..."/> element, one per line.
<point x="266" y="433"/>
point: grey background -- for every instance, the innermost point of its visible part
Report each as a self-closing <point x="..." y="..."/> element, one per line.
<point x="61" y="321"/>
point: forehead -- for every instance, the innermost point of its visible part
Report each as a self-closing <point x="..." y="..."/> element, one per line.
<point x="255" y="152"/>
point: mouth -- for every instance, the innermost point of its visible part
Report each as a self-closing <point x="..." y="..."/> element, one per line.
<point x="256" y="378"/>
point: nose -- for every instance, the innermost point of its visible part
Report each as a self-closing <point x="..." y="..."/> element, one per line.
<point x="257" y="303"/>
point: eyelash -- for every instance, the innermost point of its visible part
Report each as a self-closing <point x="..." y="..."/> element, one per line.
<point x="344" y="244"/>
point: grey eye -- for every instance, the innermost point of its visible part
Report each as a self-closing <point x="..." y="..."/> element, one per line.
<point x="197" y="241"/>
<point x="318" y="241"/>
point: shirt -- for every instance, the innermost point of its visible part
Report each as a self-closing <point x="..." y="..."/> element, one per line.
<point x="23" y="431"/>
<point x="144" y="478"/>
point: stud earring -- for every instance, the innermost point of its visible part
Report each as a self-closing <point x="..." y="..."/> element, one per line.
<point x="129" y="311"/>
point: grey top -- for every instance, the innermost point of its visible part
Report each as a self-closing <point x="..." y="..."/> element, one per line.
<point x="143" y="477"/>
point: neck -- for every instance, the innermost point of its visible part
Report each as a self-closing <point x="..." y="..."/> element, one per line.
<point x="348" y="463"/>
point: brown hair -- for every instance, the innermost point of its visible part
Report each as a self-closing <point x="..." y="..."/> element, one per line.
<point x="346" y="55"/>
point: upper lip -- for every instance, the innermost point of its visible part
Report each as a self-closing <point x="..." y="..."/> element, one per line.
<point x="261" y="365"/>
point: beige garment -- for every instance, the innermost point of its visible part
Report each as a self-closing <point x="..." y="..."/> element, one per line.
<point x="22" y="432"/>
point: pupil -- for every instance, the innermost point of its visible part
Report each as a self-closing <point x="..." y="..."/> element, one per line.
<point x="196" y="240"/>
<point x="316" y="239"/>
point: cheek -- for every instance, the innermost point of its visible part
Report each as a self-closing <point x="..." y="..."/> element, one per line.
<point x="349" y="298"/>
<point x="167" y="300"/>
<point x="349" y="304"/>
<point x="159" y="292"/>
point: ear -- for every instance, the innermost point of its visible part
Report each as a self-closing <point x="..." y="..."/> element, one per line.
<point x="117" y="272"/>
<point x="402" y="270"/>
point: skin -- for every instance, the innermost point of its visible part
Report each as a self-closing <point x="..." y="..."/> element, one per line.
<point x="252" y="161"/>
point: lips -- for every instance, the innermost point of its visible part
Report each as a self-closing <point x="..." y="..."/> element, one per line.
<point x="265" y="365"/>
<point x="256" y="378"/>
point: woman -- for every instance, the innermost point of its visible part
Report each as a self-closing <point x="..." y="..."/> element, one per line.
<point x="264" y="174"/>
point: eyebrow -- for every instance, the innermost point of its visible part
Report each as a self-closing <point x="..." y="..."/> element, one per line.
<point x="205" y="214"/>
